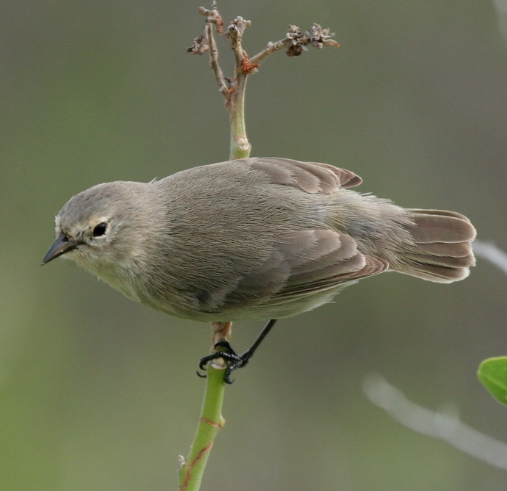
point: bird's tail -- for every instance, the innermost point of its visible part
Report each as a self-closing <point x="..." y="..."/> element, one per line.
<point x="442" y="246"/>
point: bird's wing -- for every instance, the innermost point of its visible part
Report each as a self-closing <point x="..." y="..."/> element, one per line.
<point x="332" y="259"/>
<point x="310" y="177"/>
<point x="303" y="262"/>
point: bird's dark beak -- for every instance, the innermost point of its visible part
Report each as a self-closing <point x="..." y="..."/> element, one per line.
<point x="61" y="246"/>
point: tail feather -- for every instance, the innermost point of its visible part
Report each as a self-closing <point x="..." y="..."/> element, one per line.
<point x="443" y="213"/>
<point x="437" y="274"/>
<point x="430" y="228"/>
<point x="460" y="249"/>
<point x="441" y="249"/>
<point x="447" y="261"/>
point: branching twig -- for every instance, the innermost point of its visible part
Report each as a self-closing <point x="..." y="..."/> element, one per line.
<point x="233" y="89"/>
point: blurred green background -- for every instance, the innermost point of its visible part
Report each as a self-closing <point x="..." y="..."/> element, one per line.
<point x="98" y="393"/>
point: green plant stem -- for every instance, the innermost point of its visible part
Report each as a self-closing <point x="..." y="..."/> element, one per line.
<point x="210" y="423"/>
<point x="240" y="146"/>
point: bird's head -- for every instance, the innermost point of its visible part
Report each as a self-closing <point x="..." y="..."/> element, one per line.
<point x="103" y="229"/>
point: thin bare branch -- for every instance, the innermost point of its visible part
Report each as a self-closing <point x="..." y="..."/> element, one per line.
<point x="213" y="17"/>
<point x="213" y="61"/>
<point x="235" y="34"/>
<point x="491" y="253"/>
<point x="206" y="42"/>
<point x="444" y="425"/>
<point x="296" y="41"/>
<point x="501" y="15"/>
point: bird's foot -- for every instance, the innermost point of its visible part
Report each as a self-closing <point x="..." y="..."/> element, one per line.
<point x="234" y="361"/>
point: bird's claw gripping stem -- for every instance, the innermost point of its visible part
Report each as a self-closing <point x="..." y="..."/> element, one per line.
<point x="234" y="361"/>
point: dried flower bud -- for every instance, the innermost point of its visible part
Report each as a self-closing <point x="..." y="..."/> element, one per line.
<point x="319" y="37"/>
<point x="294" y="50"/>
<point x="200" y="45"/>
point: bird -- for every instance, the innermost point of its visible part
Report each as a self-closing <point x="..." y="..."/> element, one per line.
<point x="253" y="238"/>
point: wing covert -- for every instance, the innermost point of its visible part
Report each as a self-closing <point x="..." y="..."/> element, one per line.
<point x="311" y="177"/>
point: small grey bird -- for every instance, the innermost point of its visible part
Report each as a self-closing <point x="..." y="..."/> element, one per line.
<point x="257" y="238"/>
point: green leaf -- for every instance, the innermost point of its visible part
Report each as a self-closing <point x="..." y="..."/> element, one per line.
<point x="493" y="375"/>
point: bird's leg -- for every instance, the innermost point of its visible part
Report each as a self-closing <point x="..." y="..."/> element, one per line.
<point x="235" y="361"/>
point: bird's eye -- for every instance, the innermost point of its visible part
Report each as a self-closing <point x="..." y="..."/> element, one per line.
<point x="100" y="229"/>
